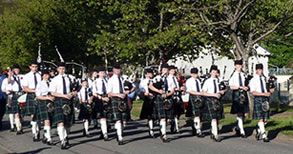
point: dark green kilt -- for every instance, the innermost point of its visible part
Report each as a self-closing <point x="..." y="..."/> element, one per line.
<point x="30" y="106"/>
<point x="42" y="112"/>
<point x="196" y="112"/>
<point x="238" y="108"/>
<point x="258" y="113"/>
<point x="84" y="113"/>
<point x="99" y="109"/>
<point x="14" y="106"/>
<point x="147" y="108"/>
<point x="159" y="112"/>
<point x="209" y="113"/>
<point x="59" y="117"/>
<point x="178" y="106"/>
<point x="116" y="114"/>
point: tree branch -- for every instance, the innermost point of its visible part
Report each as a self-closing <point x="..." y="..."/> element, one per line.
<point x="267" y="33"/>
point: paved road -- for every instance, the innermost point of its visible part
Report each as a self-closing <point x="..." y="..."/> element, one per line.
<point x="136" y="136"/>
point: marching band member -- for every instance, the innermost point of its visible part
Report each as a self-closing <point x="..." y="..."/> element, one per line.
<point x="45" y="111"/>
<point x="193" y="87"/>
<point x="30" y="83"/>
<point x="261" y="94"/>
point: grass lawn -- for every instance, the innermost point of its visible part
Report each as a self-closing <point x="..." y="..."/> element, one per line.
<point x="275" y="125"/>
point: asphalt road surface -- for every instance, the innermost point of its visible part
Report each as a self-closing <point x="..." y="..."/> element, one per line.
<point x="137" y="141"/>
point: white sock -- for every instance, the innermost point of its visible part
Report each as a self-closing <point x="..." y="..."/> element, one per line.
<point x="163" y="127"/>
<point x="47" y="132"/>
<point x="240" y="125"/>
<point x="11" y="119"/>
<point x="103" y="126"/>
<point x="60" y="130"/>
<point x="261" y="126"/>
<point x="214" y="128"/>
<point x="196" y="123"/>
<point x="34" y="128"/>
<point x="176" y="124"/>
<point x="18" y="124"/>
<point x="86" y="127"/>
<point x="118" y="127"/>
<point x="151" y="125"/>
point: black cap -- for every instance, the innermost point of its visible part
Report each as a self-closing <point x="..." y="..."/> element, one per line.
<point x="149" y="70"/>
<point x="61" y="64"/>
<point x="94" y="70"/>
<point x="45" y="71"/>
<point x="259" y="66"/>
<point x="83" y="80"/>
<point x="34" y="62"/>
<point x="194" y="70"/>
<point x="172" y="67"/>
<point x="164" y="66"/>
<point x="214" y="67"/>
<point x="101" y="69"/>
<point x="117" y="66"/>
<point x="238" y="62"/>
<point x="15" y="66"/>
<point x="52" y="70"/>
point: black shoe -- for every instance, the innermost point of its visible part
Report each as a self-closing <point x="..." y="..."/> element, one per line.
<point x="165" y="139"/>
<point x="44" y="140"/>
<point x="266" y="139"/>
<point x="50" y="143"/>
<point x="19" y="132"/>
<point x="106" y="138"/>
<point x="193" y="131"/>
<point x="216" y="139"/>
<point x="63" y="146"/>
<point x="243" y="135"/>
<point x="237" y="130"/>
<point x="88" y="135"/>
<point x="35" y="139"/>
<point x="152" y="135"/>
<point x="38" y="136"/>
<point x="199" y="135"/>
<point x="13" y="129"/>
<point x="172" y="128"/>
<point x="67" y="142"/>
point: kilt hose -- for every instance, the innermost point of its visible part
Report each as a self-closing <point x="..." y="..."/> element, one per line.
<point x="147" y="108"/>
<point x="42" y="112"/>
<point x="116" y="114"/>
<point x="238" y="108"/>
<point x="258" y="113"/>
<point x="158" y="109"/>
<point x="208" y="111"/>
<point x="30" y="106"/>
<point x="196" y="112"/>
<point x="59" y="116"/>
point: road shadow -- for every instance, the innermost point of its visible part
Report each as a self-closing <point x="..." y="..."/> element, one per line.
<point x="34" y="151"/>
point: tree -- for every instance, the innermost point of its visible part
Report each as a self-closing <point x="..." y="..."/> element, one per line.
<point x="243" y="23"/>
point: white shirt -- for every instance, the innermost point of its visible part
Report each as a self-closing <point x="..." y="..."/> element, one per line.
<point x="42" y="88"/>
<point x="82" y="95"/>
<point x="56" y="84"/>
<point x="91" y="82"/>
<point x="159" y="78"/>
<point x="113" y="85"/>
<point x="209" y="85"/>
<point x="191" y="85"/>
<point x="255" y="84"/>
<point x="144" y="85"/>
<point x="14" y="83"/>
<point x="98" y="86"/>
<point x="5" y="85"/>
<point x="29" y="80"/>
<point x="235" y="81"/>
<point x="173" y="79"/>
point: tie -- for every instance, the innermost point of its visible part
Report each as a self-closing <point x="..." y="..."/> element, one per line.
<point x="104" y="88"/>
<point x="165" y="84"/>
<point x="197" y="85"/>
<point x="18" y="82"/>
<point x="36" y="81"/>
<point x="85" y="94"/>
<point x="64" y="85"/>
<point x="240" y="80"/>
<point x="174" y="82"/>
<point x="262" y="86"/>
<point x="48" y="84"/>
<point x="215" y="87"/>
<point x="120" y="85"/>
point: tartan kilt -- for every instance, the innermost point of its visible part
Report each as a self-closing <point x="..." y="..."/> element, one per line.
<point x="42" y="112"/>
<point x="116" y="114"/>
<point x="8" y="109"/>
<point x="98" y="109"/>
<point x="58" y="116"/>
<point x="209" y="113"/>
<point x="236" y="106"/>
<point x="147" y="108"/>
<point x="159" y="112"/>
<point x="258" y="113"/>
<point x="30" y="106"/>
<point x="15" y="108"/>
<point x="83" y="114"/>
<point x="178" y="107"/>
<point x="196" y="112"/>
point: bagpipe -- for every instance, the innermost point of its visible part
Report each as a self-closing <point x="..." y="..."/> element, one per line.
<point x="243" y="93"/>
<point x="74" y="86"/>
<point x="270" y="84"/>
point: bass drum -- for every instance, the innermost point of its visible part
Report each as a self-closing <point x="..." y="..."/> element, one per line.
<point x="22" y="100"/>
